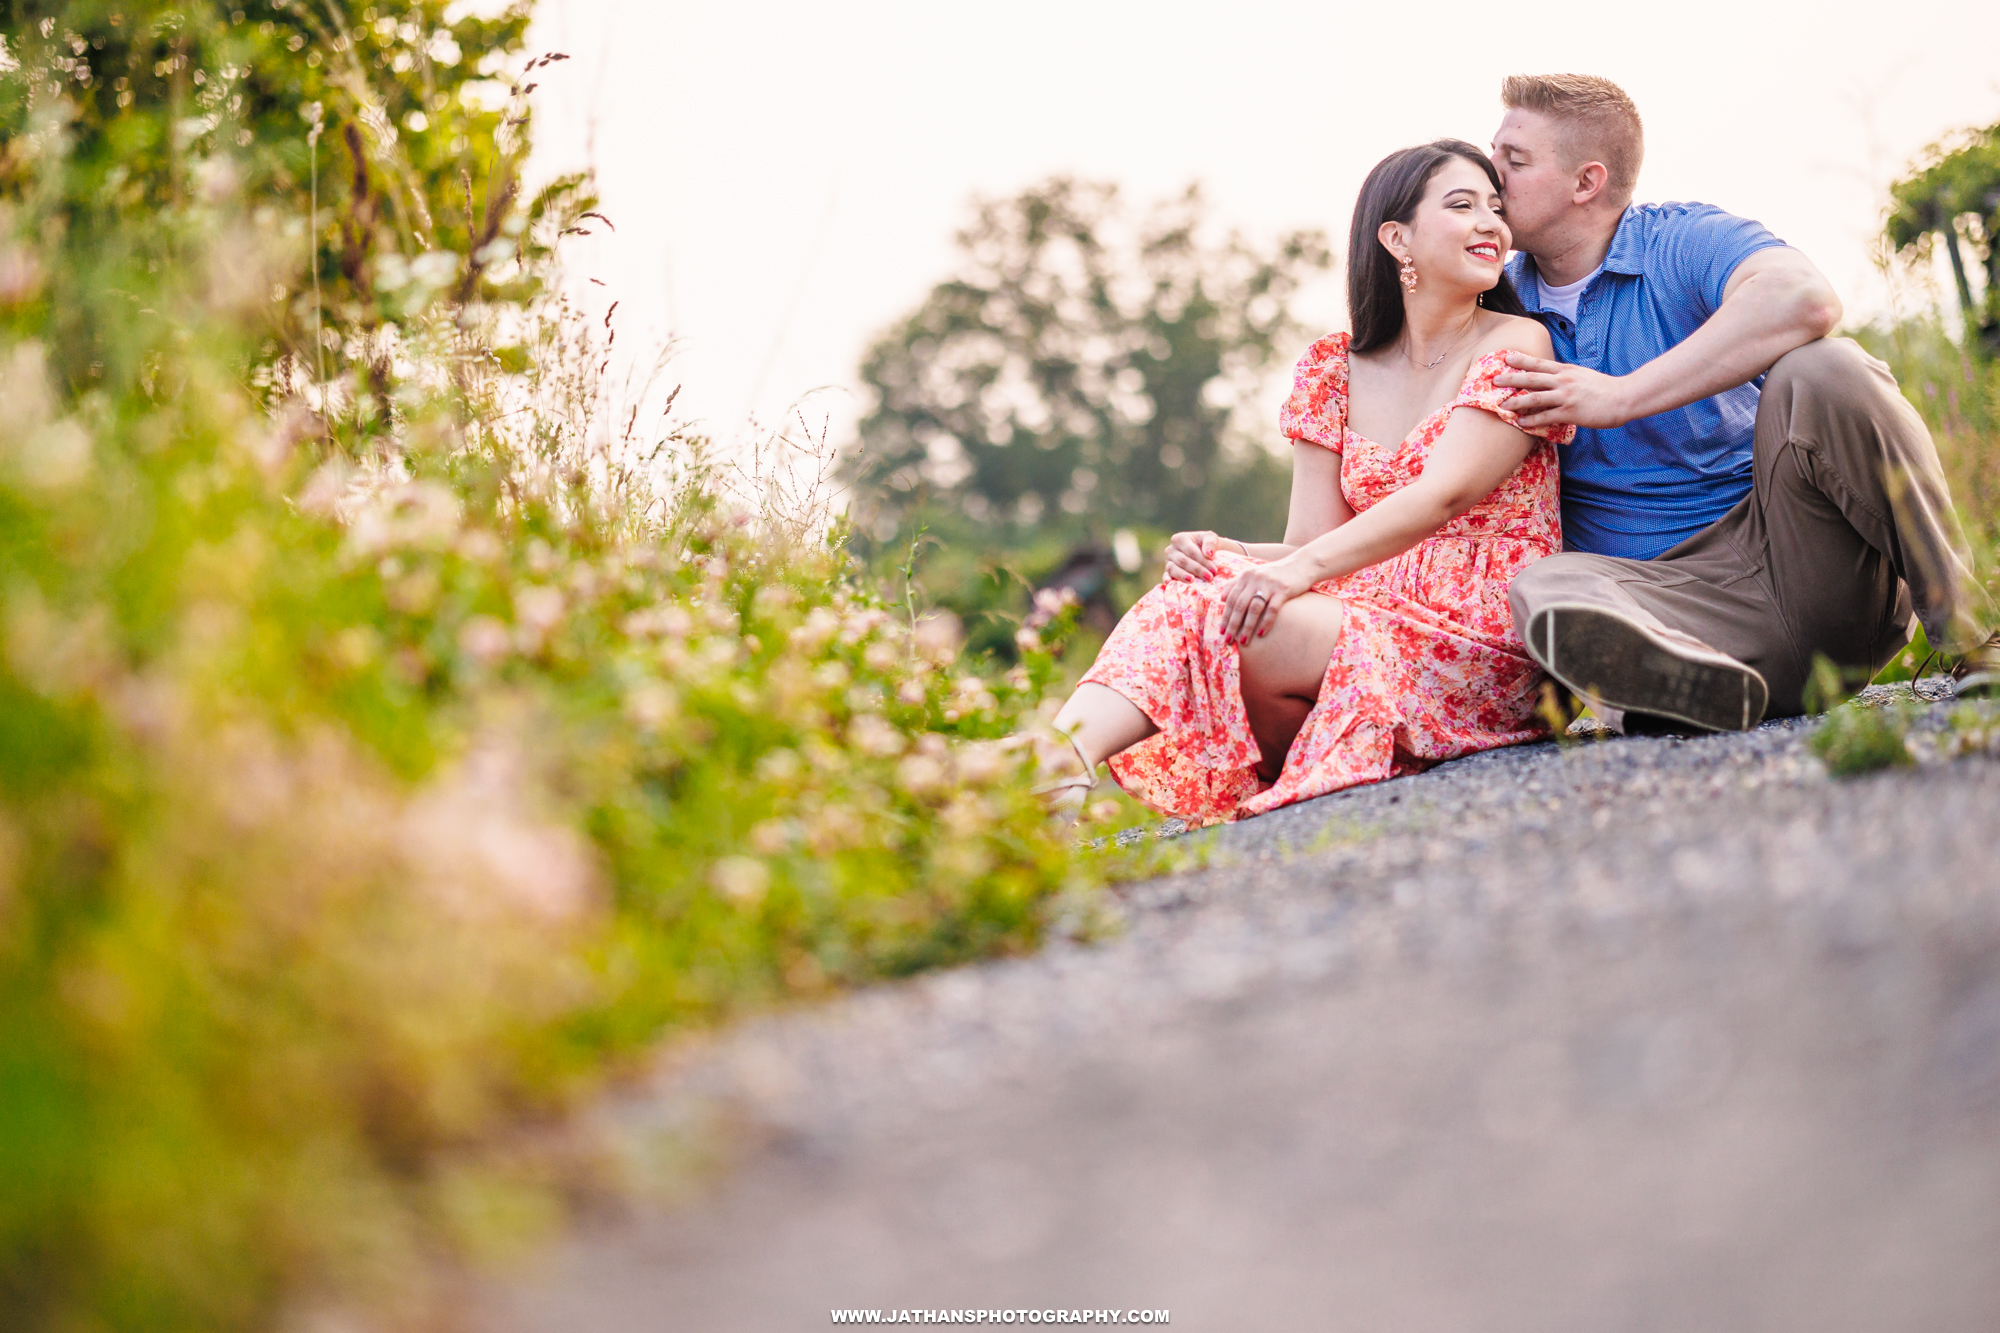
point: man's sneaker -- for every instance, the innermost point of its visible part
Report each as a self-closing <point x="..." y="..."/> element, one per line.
<point x="1978" y="672"/>
<point x="1613" y="661"/>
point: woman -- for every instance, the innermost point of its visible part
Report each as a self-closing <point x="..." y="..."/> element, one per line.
<point x="1376" y="637"/>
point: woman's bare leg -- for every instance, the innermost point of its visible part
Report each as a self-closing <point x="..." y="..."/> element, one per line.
<point x="1282" y="672"/>
<point x="1103" y="722"/>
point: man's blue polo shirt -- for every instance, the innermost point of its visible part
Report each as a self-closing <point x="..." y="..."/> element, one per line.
<point x="1652" y="483"/>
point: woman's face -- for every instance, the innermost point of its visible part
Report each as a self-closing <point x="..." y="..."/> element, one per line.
<point x="1458" y="236"/>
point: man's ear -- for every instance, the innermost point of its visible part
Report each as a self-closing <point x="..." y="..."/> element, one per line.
<point x="1591" y="178"/>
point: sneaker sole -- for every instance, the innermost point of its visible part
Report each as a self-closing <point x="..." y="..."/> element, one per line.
<point x="1618" y="663"/>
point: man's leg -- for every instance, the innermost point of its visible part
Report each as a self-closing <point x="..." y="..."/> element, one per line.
<point x="1848" y="506"/>
<point x="1610" y="630"/>
<point x="1851" y="500"/>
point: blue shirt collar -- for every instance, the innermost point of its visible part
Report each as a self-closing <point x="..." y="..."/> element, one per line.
<point x="1627" y="255"/>
<point x="1521" y="271"/>
<point x="1628" y="248"/>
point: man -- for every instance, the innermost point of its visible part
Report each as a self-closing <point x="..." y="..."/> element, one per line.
<point x="1744" y="492"/>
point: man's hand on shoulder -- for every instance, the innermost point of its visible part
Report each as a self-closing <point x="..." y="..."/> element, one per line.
<point x="1550" y="393"/>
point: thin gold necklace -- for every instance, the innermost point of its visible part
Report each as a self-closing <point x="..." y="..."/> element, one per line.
<point x="1433" y="364"/>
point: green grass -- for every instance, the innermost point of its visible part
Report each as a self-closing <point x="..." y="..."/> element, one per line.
<point x="394" y="745"/>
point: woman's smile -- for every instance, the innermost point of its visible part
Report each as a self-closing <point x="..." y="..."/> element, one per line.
<point x="1486" y="250"/>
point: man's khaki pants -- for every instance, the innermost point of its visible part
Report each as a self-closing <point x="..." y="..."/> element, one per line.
<point x="1848" y="527"/>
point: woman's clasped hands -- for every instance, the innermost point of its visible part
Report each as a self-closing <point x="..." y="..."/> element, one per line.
<point x="1250" y="607"/>
<point x="1191" y="556"/>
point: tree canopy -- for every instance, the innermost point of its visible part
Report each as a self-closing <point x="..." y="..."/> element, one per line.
<point x="1084" y="369"/>
<point x="1954" y="193"/>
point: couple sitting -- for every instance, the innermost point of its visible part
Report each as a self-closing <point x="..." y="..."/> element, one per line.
<point x="1738" y="493"/>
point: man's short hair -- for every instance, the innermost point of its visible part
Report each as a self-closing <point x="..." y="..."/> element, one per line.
<point x="1599" y="122"/>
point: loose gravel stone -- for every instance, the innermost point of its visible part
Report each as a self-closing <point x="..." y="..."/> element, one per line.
<point x="1644" y="1033"/>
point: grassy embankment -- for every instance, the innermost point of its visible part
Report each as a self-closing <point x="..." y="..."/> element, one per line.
<point x="396" y="733"/>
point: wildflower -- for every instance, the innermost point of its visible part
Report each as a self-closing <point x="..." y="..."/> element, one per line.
<point x="420" y="514"/>
<point x="871" y="735"/>
<point x="965" y="860"/>
<point x="413" y="593"/>
<point x="20" y="275"/>
<point x="773" y="597"/>
<point x="938" y="636"/>
<point x="779" y="765"/>
<point x="911" y="691"/>
<point x="327" y="488"/>
<point x="434" y="269"/>
<point x="743" y="880"/>
<point x="355" y="647"/>
<point x="652" y="706"/>
<point x="54" y="458"/>
<point x="480" y="546"/>
<point x="967" y="816"/>
<point x="835" y="827"/>
<point x="537" y="609"/>
<point x="484" y="639"/>
<point x="982" y="763"/>
<point x="772" y="837"/>
<point x="474" y="842"/>
<point x="1049" y="603"/>
<point x="920" y="774"/>
<point x="819" y="628"/>
<point x="879" y="656"/>
<point x="216" y="179"/>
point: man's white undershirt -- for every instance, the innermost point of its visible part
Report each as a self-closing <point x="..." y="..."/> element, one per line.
<point x="1563" y="299"/>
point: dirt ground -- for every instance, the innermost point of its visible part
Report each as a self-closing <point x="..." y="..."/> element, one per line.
<point x="1638" y="1034"/>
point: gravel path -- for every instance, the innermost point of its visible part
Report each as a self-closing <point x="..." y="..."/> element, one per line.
<point x="1639" y="1034"/>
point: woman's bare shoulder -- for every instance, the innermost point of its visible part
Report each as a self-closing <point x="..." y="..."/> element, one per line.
<point x="1515" y="333"/>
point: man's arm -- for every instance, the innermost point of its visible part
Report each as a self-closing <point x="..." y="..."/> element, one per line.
<point x="1775" y="300"/>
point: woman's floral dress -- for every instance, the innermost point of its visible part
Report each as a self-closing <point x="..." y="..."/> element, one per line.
<point x="1428" y="666"/>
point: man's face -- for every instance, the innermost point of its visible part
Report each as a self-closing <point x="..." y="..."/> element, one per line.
<point x="1536" y="182"/>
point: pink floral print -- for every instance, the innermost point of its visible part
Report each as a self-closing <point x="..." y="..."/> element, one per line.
<point x="1428" y="666"/>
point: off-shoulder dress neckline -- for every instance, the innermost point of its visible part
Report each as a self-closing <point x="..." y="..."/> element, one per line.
<point x="1346" y="383"/>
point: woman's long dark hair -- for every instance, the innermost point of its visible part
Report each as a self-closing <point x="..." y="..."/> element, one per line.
<point x="1391" y="194"/>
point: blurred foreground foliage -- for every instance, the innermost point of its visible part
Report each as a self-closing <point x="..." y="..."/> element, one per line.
<point x="395" y="729"/>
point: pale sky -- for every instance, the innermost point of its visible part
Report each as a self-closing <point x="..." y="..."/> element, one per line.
<point x="786" y="177"/>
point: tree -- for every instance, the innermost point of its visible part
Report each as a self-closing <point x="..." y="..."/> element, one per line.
<point x="1955" y="193"/>
<point x="1083" y="371"/>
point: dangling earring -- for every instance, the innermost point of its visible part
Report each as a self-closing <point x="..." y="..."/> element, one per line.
<point x="1409" y="275"/>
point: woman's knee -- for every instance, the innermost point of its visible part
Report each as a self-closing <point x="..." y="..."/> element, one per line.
<point x="1292" y="658"/>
